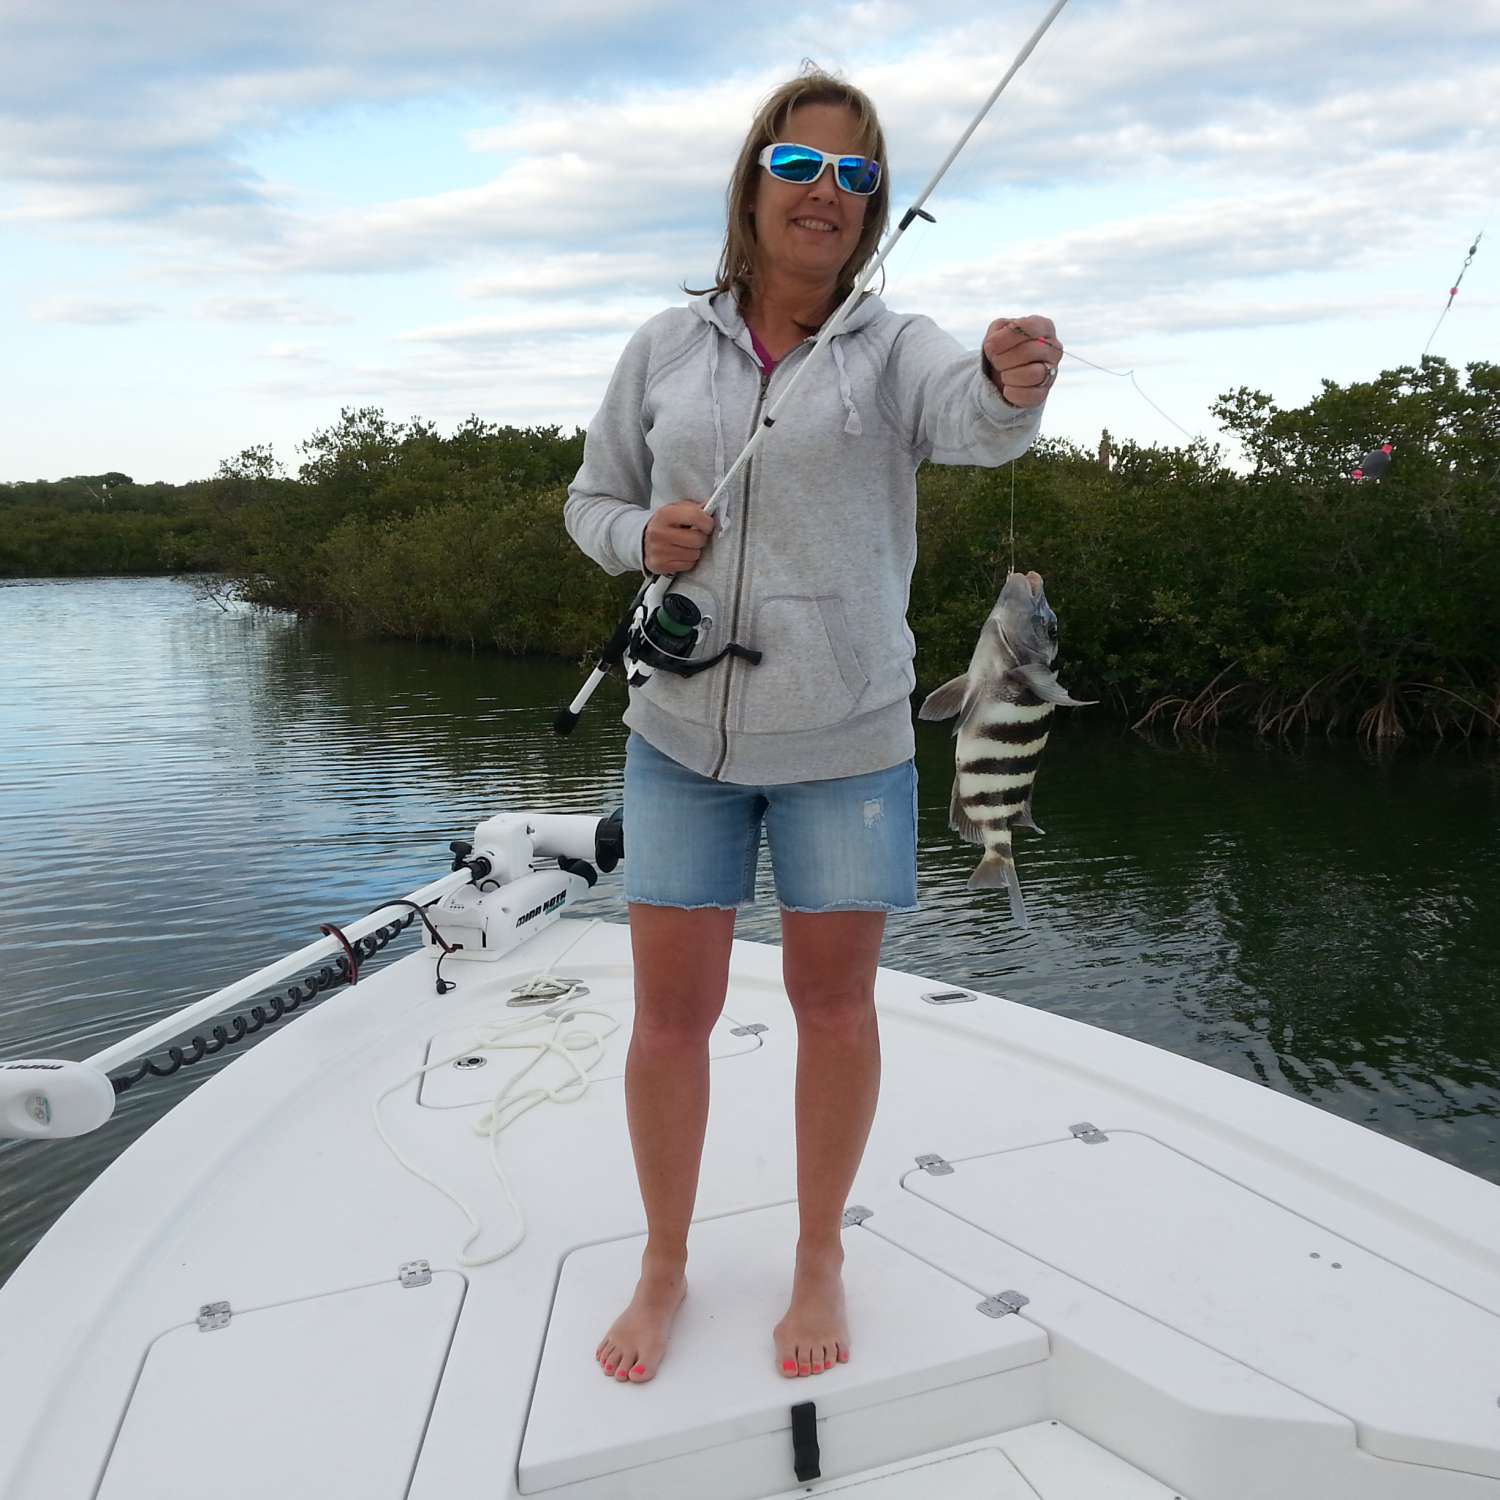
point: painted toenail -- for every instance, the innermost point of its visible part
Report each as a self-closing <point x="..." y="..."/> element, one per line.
<point x="789" y="1364"/>
<point x="638" y="1370"/>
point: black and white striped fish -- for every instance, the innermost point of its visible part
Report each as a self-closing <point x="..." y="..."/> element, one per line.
<point x="1004" y="704"/>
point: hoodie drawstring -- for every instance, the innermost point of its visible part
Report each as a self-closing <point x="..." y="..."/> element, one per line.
<point x="854" y="427"/>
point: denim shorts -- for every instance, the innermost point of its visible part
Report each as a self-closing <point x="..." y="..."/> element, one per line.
<point x="845" y="844"/>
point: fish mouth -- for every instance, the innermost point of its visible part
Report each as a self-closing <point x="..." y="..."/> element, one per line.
<point x="1033" y="582"/>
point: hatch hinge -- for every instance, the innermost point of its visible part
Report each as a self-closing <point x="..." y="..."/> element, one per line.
<point x="1002" y="1304"/>
<point x="934" y="1165"/>
<point x="857" y="1213"/>
<point x="806" y="1459"/>
<point x="753" y="1029"/>
<point x="1090" y="1135"/>
<point x="416" y="1273"/>
<point x="213" y="1315"/>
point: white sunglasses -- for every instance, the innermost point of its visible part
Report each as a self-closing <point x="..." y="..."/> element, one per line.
<point x="792" y="163"/>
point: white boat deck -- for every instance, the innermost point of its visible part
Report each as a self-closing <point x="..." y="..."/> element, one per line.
<point x="1230" y="1296"/>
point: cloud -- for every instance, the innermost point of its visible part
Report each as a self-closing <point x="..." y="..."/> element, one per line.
<point x="568" y="273"/>
<point x="266" y="309"/>
<point x="148" y="111"/>
<point x="1159" y="169"/>
<point x="295" y="354"/>
<point x="537" y="324"/>
<point x="1183" y="269"/>
<point x="99" y="312"/>
<point x="651" y="166"/>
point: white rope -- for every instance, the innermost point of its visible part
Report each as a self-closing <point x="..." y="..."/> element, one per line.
<point x="546" y="1033"/>
<point x="543" y="988"/>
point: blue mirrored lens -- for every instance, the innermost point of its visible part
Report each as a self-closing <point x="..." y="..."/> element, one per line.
<point x="795" y="163"/>
<point x="858" y="174"/>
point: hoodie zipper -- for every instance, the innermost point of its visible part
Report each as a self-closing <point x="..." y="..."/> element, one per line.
<point x="739" y="579"/>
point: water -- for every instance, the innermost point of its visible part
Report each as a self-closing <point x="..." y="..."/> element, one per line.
<point x="187" y="793"/>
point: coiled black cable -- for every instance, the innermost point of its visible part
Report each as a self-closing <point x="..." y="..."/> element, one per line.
<point x="260" y="1016"/>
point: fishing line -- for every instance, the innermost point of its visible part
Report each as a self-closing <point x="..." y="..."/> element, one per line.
<point x="1453" y="290"/>
<point x="1013" y="515"/>
<point x="1377" y="462"/>
<point x="1119" y="374"/>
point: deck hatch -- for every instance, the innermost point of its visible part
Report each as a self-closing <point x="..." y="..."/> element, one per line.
<point x="345" y="1380"/>
<point x="1412" y="1365"/>
<point x="718" y="1398"/>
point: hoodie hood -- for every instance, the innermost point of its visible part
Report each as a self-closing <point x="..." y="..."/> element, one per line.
<point x="721" y="311"/>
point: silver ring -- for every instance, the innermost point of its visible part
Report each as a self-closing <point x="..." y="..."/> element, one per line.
<point x="1051" y="375"/>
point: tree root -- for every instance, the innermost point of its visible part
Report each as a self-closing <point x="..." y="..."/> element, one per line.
<point x="1339" y="696"/>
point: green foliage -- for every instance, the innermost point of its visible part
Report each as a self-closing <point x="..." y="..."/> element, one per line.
<point x="499" y="572"/>
<point x="61" y="541"/>
<point x="1190" y="591"/>
<point x="1288" y="597"/>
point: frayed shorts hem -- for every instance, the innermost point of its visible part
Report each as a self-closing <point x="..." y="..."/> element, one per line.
<point x="888" y="907"/>
<point x="690" y="905"/>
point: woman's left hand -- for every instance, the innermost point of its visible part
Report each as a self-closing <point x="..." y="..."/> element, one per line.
<point x="1021" y="356"/>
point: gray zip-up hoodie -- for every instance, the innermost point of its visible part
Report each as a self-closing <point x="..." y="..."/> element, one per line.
<point x="811" y="563"/>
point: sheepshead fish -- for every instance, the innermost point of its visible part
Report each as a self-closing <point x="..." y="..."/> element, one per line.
<point x="1004" y="704"/>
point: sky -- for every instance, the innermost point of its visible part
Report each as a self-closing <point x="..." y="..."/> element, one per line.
<point x="220" y="225"/>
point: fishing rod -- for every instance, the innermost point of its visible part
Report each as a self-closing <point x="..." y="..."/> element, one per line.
<point x="660" y="629"/>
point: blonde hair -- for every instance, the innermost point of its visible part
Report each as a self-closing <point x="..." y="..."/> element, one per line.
<point x="811" y="86"/>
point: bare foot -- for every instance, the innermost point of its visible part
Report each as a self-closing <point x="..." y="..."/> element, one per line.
<point x="633" y="1347"/>
<point x="814" y="1334"/>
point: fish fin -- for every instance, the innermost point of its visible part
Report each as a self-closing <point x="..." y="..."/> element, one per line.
<point x="1025" y="819"/>
<point x="1043" y="682"/>
<point x="944" y="702"/>
<point x="997" y="869"/>
<point x="960" y="822"/>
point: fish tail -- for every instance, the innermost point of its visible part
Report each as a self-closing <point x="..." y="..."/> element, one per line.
<point x="998" y="869"/>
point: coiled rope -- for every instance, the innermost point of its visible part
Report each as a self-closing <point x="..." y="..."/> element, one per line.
<point x="553" y="1032"/>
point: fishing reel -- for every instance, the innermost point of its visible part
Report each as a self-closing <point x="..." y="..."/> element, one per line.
<point x="663" y="638"/>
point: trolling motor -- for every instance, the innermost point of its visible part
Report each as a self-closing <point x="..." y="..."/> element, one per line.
<point x="525" y="868"/>
<point x="514" y="878"/>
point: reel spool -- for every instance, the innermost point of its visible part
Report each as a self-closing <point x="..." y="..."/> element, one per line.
<point x="662" y="639"/>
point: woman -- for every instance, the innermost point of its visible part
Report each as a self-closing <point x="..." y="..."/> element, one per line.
<point x="808" y="560"/>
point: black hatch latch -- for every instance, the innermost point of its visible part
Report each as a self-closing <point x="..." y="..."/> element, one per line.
<point x="805" y="1458"/>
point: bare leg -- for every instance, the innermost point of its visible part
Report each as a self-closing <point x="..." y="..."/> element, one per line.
<point x="829" y="962"/>
<point x="681" y="975"/>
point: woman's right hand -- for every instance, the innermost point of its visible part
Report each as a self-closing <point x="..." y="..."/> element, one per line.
<point x="675" y="537"/>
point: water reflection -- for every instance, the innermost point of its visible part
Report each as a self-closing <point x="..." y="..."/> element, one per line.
<point x="188" y="793"/>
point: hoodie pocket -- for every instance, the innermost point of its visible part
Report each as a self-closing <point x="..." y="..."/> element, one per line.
<point x="810" y="676"/>
<point x="694" y="699"/>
